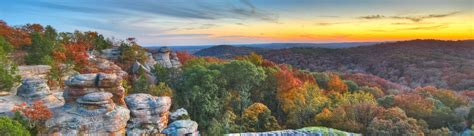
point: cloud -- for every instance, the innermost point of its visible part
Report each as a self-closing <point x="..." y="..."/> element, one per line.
<point x="411" y="18"/>
<point x="425" y="27"/>
<point x="433" y="27"/>
<point x="330" y="23"/>
<point x="183" y="9"/>
<point x="183" y="35"/>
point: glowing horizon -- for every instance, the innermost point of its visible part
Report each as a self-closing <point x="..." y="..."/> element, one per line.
<point x="212" y="22"/>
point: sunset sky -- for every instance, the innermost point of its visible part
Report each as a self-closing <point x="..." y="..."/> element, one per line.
<point x="208" y="22"/>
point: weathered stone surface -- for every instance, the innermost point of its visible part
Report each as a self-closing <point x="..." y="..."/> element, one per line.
<point x="94" y="80"/>
<point x="68" y="121"/>
<point x="149" y="114"/>
<point x="181" y="128"/>
<point x="33" y="89"/>
<point x="178" y="113"/>
<point x="112" y="53"/>
<point x="72" y="93"/>
<point x="90" y="107"/>
<point x="100" y="65"/>
<point x="166" y="58"/>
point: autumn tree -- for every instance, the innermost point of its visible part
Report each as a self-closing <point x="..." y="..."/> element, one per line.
<point x="394" y="121"/>
<point x="33" y="116"/>
<point x="15" y="36"/>
<point x="414" y="105"/>
<point x="253" y="58"/>
<point x="336" y="84"/>
<point x="257" y="118"/>
<point x="184" y="56"/>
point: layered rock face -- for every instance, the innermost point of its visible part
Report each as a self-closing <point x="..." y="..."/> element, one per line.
<point x="94" y="106"/>
<point x="166" y="58"/>
<point x="149" y="114"/>
<point x="112" y="53"/>
<point x="105" y="66"/>
<point x="32" y="90"/>
<point x="82" y="84"/>
<point x="181" y="125"/>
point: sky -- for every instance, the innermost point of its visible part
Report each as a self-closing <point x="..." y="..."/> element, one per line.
<point x="211" y="22"/>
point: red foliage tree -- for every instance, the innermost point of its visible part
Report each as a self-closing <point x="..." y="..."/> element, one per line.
<point x="78" y="54"/>
<point x="286" y="79"/>
<point x="14" y="36"/>
<point x="184" y="56"/>
<point x="36" y="112"/>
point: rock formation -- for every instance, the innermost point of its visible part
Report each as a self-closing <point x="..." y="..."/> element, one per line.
<point x="166" y="58"/>
<point x="112" y="53"/>
<point x="94" y="106"/>
<point x="149" y="114"/>
<point x="32" y="90"/>
<point x="105" y="66"/>
<point x="181" y="125"/>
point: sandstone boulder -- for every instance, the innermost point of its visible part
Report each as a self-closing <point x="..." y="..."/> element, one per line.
<point x="90" y="107"/>
<point x="166" y="58"/>
<point x="94" y="80"/>
<point x="33" y="89"/>
<point x="180" y="113"/>
<point x="181" y="128"/>
<point x="149" y="114"/>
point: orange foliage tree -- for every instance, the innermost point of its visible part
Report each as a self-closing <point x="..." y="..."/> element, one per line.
<point x="414" y="105"/>
<point x="336" y="84"/>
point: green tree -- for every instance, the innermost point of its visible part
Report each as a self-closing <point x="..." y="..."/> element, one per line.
<point x="9" y="127"/>
<point x="7" y="68"/>
<point x="351" y="85"/>
<point x="201" y="93"/>
<point x="242" y="76"/>
<point x="42" y="46"/>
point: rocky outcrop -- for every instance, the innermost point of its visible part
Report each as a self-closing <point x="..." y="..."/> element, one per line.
<point x="32" y="90"/>
<point x="181" y="125"/>
<point x="149" y="114"/>
<point x="308" y="131"/>
<point x="112" y="53"/>
<point x="166" y="58"/>
<point x="94" y="106"/>
<point x="101" y="65"/>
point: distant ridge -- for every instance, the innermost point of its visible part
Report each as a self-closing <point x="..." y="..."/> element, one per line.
<point x="448" y="64"/>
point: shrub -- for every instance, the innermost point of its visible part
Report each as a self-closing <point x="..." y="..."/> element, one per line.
<point x="9" y="127"/>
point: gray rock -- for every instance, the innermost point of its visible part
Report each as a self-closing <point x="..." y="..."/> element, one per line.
<point x="166" y="58"/>
<point x="33" y="89"/>
<point x="149" y="114"/>
<point x="70" y="122"/>
<point x="96" y="97"/>
<point x="181" y="128"/>
<point x="178" y="113"/>
<point x="94" y="80"/>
